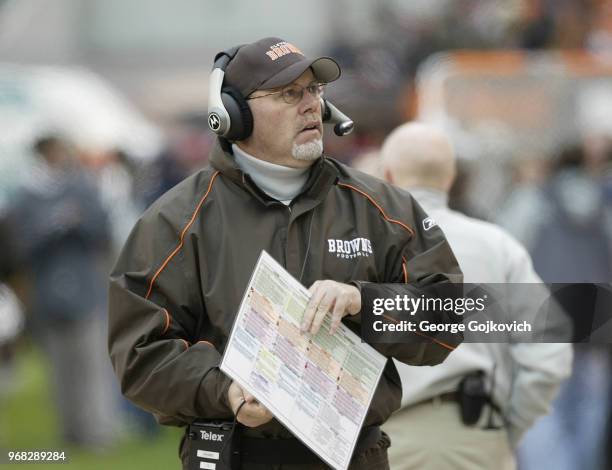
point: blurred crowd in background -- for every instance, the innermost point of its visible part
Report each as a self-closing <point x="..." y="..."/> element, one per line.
<point x="102" y="106"/>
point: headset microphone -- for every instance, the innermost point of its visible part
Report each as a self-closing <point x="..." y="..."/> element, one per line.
<point x="332" y="115"/>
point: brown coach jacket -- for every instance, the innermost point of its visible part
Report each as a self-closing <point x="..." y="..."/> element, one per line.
<point x="179" y="280"/>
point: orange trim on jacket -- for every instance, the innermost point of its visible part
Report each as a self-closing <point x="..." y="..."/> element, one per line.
<point x="382" y="211"/>
<point x="182" y="236"/>
<point x="168" y="321"/>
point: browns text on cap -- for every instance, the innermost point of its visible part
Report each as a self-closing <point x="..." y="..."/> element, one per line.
<point x="273" y="62"/>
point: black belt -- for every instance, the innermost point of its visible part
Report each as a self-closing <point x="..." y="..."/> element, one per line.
<point x="292" y="451"/>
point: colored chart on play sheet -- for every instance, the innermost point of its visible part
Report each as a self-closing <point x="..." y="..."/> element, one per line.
<point x="319" y="387"/>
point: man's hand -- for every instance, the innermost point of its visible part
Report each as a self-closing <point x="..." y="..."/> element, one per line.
<point x="252" y="413"/>
<point x="330" y="297"/>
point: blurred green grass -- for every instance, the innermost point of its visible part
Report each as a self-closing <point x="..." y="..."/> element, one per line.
<point x="28" y="421"/>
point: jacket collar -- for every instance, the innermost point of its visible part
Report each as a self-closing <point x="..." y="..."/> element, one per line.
<point x="429" y="198"/>
<point x="323" y="175"/>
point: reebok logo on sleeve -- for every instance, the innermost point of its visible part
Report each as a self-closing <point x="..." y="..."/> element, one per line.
<point x="428" y="223"/>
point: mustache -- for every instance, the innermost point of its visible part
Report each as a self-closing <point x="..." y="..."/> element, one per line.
<point x="310" y="120"/>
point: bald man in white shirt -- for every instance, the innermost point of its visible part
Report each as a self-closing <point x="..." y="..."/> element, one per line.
<point x="428" y="432"/>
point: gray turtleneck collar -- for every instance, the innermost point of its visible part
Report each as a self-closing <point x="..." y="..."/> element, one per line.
<point x="283" y="183"/>
<point x="429" y="198"/>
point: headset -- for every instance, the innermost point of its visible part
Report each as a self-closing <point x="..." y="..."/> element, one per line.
<point x="229" y="114"/>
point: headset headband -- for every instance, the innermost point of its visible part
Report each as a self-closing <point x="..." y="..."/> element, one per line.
<point x="219" y="119"/>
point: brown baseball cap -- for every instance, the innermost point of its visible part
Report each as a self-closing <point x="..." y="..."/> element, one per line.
<point x="274" y="62"/>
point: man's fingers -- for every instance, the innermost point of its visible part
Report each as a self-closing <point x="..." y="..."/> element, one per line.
<point x="317" y="320"/>
<point x="327" y="295"/>
<point x="307" y="319"/>
<point x="235" y="396"/>
<point x="354" y="301"/>
<point x="311" y="309"/>
<point x="323" y="309"/>
<point x="254" y="410"/>
<point x="339" y="312"/>
<point x="263" y="412"/>
<point x="314" y="286"/>
<point x="254" y="414"/>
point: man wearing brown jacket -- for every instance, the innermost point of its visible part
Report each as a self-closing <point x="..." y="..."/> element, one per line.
<point x="179" y="281"/>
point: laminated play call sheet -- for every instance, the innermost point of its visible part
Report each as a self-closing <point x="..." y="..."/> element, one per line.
<point x="319" y="387"/>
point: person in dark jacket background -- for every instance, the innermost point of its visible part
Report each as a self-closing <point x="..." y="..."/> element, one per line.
<point x="179" y="281"/>
<point x="61" y="234"/>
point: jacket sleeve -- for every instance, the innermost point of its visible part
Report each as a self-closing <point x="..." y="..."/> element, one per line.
<point x="425" y="266"/>
<point x="153" y="332"/>
<point x="539" y="368"/>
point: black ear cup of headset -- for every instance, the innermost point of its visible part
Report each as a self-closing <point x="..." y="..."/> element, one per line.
<point x="241" y="118"/>
<point x="229" y="114"/>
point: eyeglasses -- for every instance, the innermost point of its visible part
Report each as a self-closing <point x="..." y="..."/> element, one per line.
<point x="293" y="94"/>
